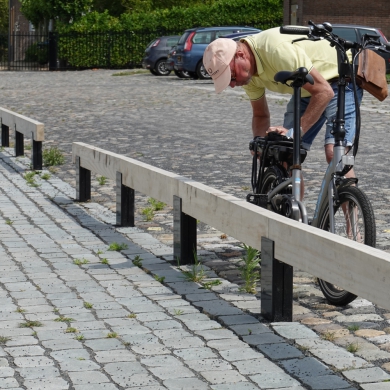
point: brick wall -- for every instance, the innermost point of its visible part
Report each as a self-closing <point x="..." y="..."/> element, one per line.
<point x="375" y="13"/>
<point x="18" y="23"/>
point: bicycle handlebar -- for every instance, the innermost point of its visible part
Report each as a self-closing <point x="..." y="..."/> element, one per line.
<point x="324" y="31"/>
<point x="295" y="30"/>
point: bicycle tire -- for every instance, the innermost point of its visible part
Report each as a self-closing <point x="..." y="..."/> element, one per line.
<point x="273" y="176"/>
<point x="356" y="201"/>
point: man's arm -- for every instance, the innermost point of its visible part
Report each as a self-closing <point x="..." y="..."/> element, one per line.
<point x="321" y="94"/>
<point x="261" y="117"/>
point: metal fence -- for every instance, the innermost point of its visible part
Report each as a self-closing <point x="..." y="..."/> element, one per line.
<point x="108" y="49"/>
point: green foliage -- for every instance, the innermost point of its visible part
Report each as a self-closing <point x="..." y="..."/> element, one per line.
<point x="114" y="246"/>
<point x="196" y="272"/>
<point x="4" y="16"/>
<point x="52" y="156"/>
<point x="157" y="205"/>
<point x="37" y="53"/>
<point x="249" y="269"/>
<point x="64" y="11"/>
<point x="98" y="43"/>
<point x="138" y="261"/>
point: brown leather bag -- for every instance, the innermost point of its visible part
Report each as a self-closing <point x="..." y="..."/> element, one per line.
<point x="371" y="74"/>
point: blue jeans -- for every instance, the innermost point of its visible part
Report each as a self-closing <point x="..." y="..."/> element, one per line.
<point x="327" y="116"/>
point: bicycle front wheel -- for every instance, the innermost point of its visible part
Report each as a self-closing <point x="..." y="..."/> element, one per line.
<point x="354" y="219"/>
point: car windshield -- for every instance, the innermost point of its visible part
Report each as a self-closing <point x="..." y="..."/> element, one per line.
<point x="183" y="37"/>
<point x="152" y="42"/>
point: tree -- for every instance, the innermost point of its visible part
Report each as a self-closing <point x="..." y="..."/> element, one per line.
<point x="39" y="12"/>
<point x="3" y="16"/>
<point x="114" y="7"/>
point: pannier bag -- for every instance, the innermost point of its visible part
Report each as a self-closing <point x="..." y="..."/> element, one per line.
<point x="371" y="74"/>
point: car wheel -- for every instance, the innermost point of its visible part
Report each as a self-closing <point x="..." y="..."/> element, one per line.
<point x="182" y="74"/>
<point x="160" y="68"/>
<point x="193" y="75"/>
<point x="152" y="71"/>
<point x="202" y="72"/>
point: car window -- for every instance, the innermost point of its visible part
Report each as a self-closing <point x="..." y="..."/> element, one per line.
<point x="347" y="33"/>
<point x="152" y="43"/>
<point x="171" y="41"/>
<point x="202" y="37"/>
<point x="183" y="37"/>
<point x="221" y="33"/>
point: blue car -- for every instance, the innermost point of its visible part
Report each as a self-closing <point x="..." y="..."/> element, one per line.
<point x="192" y="44"/>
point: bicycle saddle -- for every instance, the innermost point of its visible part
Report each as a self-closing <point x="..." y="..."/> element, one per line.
<point x="301" y="74"/>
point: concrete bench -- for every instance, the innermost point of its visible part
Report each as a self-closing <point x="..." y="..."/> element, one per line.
<point x="284" y="243"/>
<point x="23" y="126"/>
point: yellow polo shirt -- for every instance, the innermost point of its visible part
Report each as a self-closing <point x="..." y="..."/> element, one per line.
<point x="275" y="52"/>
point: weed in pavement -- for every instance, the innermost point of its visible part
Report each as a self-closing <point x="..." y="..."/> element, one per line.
<point x="30" y="324"/>
<point x="80" y="261"/>
<point x="4" y="339"/>
<point x="159" y="278"/>
<point x="156" y="205"/>
<point x="71" y="330"/>
<point x="102" y="180"/>
<point x="196" y="273"/>
<point x="88" y="305"/>
<point x="148" y="213"/>
<point x="64" y="319"/>
<point x="52" y="156"/>
<point x="249" y="269"/>
<point x="112" y="335"/>
<point x="138" y="261"/>
<point x="114" y="246"/>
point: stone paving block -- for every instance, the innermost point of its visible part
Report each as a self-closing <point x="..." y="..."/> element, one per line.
<point x="225" y="344"/>
<point x="104" y="344"/>
<point x="376" y="386"/>
<point x="263" y="338"/>
<point x="9" y="383"/>
<point x="184" y="342"/>
<point x="6" y="372"/>
<point x="217" y="308"/>
<point x="209" y="364"/>
<point x="202" y="325"/>
<point x="217" y="377"/>
<point x="47" y="384"/>
<point x="161" y="361"/>
<point x="280" y="351"/>
<point x="61" y="344"/>
<point x="150" y="349"/>
<point x="35" y="361"/>
<point x="294" y="331"/>
<point x="194" y="353"/>
<point x="274" y="380"/>
<point x="77" y="364"/>
<point x="326" y="382"/>
<point x="340" y="359"/>
<point x="88" y="377"/>
<point x="159" y="325"/>
<point x="237" y="386"/>
<point x="25" y="351"/>
<point x="256" y="366"/>
<point x="21" y="340"/>
<point x="185" y="383"/>
<point x="38" y="372"/>
<point x="240" y="354"/>
<point x="119" y="355"/>
<point x="247" y="329"/>
<point x="75" y="354"/>
<point x="306" y="367"/>
<point x="366" y="375"/>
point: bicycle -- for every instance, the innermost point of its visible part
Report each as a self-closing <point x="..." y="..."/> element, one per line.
<point x="341" y="208"/>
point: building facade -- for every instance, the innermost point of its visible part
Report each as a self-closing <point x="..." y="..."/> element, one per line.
<point x="375" y="13"/>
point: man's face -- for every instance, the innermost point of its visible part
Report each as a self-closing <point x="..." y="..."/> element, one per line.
<point x="240" y="70"/>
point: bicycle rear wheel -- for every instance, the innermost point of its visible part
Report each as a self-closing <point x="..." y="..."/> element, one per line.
<point x="273" y="176"/>
<point x="354" y="219"/>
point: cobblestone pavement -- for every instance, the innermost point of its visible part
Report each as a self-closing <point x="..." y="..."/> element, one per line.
<point x="109" y="324"/>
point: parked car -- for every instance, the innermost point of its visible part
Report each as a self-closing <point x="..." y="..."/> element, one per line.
<point x="192" y="44"/>
<point x="354" y="33"/>
<point x="170" y="63"/>
<point x="239" y="35"/>
<point x="156" y="54"/>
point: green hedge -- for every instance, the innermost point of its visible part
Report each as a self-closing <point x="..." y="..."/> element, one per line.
<point x="79" y="48"/>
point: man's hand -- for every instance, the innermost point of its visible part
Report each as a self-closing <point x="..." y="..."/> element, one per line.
<point x="277" y="129"/>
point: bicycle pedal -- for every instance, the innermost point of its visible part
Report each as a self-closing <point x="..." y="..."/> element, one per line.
<point x="260" y="200"/>
<point x="309" y="221"/>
